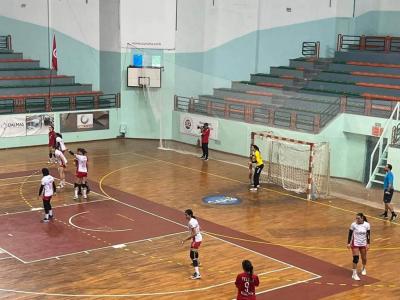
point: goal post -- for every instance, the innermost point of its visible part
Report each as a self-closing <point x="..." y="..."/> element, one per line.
<point x="295" y="165"/>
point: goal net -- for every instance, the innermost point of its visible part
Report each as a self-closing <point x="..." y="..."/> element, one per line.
<point x="297" y="166"/>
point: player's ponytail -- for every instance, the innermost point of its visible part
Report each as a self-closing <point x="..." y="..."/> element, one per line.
<point x="189" y="212"/>
<point x="362" y="216"/>
<point x="248" y="268"/>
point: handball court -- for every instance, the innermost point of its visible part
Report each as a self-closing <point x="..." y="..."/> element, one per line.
<point x="124" y="241"/>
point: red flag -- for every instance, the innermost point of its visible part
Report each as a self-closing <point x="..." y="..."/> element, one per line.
<point x="54" y="63"/>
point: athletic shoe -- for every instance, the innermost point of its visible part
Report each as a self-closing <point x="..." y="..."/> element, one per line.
<point x="384" y="215"/>
<point x="84" y="197"/>
<point x="60" y="186"/>
<point x="363" y="272"/>
<point x="205" y="159"/>
<point x="201" y="157"/>
<point x="253" y="189"/>
<point x="195" y="276"/>
<point x="355" y="277"/>
<point x="45" y="220"/>
<point x="258" y="186"/>
<point x="51" y="217"/>
<point x="394" y="217"/>
<point x="76" y="197"/>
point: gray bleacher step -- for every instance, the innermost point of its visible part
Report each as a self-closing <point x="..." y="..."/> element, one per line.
<point x="45" y="89"/>
<point x="353" y="68"/>
<point x="11" y="55"/>
<point x="26" y="72"/>
<point x="368" y="56"/>
<point x="350" y="88"/>
<point x="38" y="81"/>
<point x="308" y="65"/>
<point x="271" y="79"/>
<point x="279" y="71"/>
<point x="338" y="76"/>
<point x="241" y="95"/>
<point x="237" y="85"/>
<point x="19" y="64"/>
<point x="377" y="181"/>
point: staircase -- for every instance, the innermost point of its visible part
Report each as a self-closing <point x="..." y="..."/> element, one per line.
<point x="379" y="155"/>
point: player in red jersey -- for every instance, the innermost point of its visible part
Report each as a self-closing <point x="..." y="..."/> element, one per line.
<point x="47" y="191"/>
<point x="52" y="143"/>
<point x="81" y="161"/>
<point x="246" y="282"/>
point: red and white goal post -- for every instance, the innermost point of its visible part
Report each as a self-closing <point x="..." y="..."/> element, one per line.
<point x="297" y="166"/>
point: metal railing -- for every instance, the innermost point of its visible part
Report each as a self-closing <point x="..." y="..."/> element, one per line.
<point x="310" y="49"/>
<point x="291" y="118"/>
<point x="368" y="43"/>
<point x="382" y="145"/>
<point x="26" y="104"/>
<point x="5" y="42"/>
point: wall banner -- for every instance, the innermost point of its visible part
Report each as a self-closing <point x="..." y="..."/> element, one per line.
<point x="190" y="123"/>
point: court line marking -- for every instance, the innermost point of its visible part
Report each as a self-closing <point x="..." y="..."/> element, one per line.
<point x="129" y="205"/>
<point x="271" y="258"/>
<point x="14" y="183"/>
<point x="98" y="249"/>
<point x="8" y="178"/>
<point x="96" y="230"/>
<point x="264" y="188"/>
<point x="12" y="255"/>
<point x="144" y="294"/>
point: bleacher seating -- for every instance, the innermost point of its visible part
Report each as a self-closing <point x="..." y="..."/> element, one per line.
<point x="27" y="87"/>
<point x="311" y="88"/>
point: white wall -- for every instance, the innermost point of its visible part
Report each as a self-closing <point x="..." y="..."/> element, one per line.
<point x="77" y="18"/>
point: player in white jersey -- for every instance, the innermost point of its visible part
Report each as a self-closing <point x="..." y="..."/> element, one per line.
<point x="358" y="241"/>
<point x="47" y="190"/>
<point x="81" y="162"/>
<point x="60" y="143"/>
<point x="61" y="165"/>
<point x="196" y="237"/>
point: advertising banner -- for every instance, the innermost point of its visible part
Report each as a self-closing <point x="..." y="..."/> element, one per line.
<point x="39" y="124"/>
<point x="190" y="124"/>
<point x="84" y="121"/>
<point x="12" y="125"/>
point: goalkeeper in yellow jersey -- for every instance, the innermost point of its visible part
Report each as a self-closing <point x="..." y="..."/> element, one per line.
<point x="257" y="159"/>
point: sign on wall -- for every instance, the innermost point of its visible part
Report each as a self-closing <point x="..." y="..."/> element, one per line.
<point x="189" y="124"/>
<point x="39" y="124"/>
<point x="23" y="125"/>
<point x="12" y="125"/>
<point x="87" y="121"/>
<point x="148" y="24"/>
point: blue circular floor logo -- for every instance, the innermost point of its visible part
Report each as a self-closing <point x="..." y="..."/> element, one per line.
<point x="221" y="200"/>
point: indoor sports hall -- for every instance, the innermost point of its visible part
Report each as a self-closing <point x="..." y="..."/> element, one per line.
<point x="199" y="149"/>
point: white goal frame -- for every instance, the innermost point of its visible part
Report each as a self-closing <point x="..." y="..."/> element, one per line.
<point x="311" y="157"/>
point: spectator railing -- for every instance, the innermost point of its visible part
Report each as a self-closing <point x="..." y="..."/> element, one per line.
<point x="5" y="42"/>
<point x="310" y="49"/>
<point x="295" y="119"/>
<point x="368" y="43"/>
<point x="33" y="104"/>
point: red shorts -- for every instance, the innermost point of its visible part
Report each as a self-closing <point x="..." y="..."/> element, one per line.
<point x="195" y="245"/>
<point x="46" y="198"/>
<point x="81" y="174"/>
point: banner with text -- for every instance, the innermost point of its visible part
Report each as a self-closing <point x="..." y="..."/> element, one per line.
<point x="84" y="121"/>
<point x="12" y="125"/>
<point x="190" y="124"/>
<point x="39" y="124"/>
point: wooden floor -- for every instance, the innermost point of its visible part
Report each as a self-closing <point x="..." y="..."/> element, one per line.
<point x="126" y="174"/>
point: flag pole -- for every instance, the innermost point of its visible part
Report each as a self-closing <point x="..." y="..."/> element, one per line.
<point x="50" y="53"/>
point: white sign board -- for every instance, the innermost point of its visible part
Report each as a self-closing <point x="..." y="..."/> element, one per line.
<point x="84" y="121"/>
<point x="189" y="124"/>
<point x="12" y="125"/>
<point x="148" y="24"/>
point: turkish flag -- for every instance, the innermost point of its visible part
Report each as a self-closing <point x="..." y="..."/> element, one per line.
<point x="54" y="63"/>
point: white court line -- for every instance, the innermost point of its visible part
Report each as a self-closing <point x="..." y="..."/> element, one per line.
<point x="102" y="248"/>
<point x="14" y="183"/>
<point x="12" y="255"/>
<point x="6" y="257"/>
<point x="274" y="259"/>
<point x="89" y="229"/>
<point x="138" y="294"/>
<point x="60" y="206"/>
<point x="8" y="178"/>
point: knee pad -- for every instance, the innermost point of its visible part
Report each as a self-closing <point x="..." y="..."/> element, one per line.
<point x="356" y="259"/>
<point x="192" y="255"/>
<point x="84" y="186"/>
<point x="76" y="185"/>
